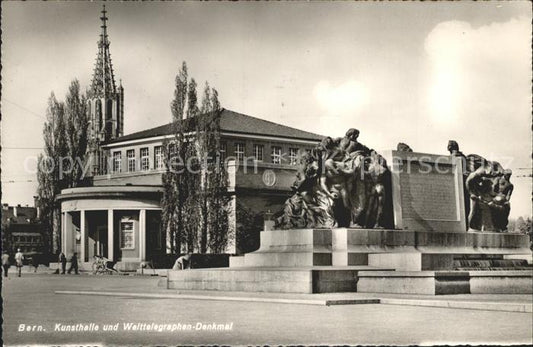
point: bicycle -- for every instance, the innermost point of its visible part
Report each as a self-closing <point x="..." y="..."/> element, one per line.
<point x="99" y="266"/>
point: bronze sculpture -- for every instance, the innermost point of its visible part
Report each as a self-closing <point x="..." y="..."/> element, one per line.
<point x="403" y="147"/>
<point x="339" y="184"/>
<point x="488" y="188"/>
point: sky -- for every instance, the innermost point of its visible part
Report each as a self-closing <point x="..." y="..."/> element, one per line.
<point x="421" y="73"/>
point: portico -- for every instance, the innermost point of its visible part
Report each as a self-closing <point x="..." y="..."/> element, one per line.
<point x="121" y="223"/>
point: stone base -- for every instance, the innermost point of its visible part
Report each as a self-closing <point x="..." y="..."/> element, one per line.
<point x="127" y="266"/>
<point x="290" y="248"/>
<point x="501" y="282"/>
<point x="419" y="250"/>
<point x="446" y="282"/>
<point x="411" y="261"/>
<point x="276" y="280"/>
<point x="340" y="260"/>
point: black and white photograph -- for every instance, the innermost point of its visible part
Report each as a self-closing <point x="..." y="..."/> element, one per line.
<point x="266" y="173"/>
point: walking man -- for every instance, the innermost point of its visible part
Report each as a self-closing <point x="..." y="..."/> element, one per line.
<point x="74" y="264"/>
<point x="63" y="261"/>
<point x="19" y="257"/>
<point x="5" y="263"/>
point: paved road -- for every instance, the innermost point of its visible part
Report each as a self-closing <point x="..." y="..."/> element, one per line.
<point x="30" y="300"/>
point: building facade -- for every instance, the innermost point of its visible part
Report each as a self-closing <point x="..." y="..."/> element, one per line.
<point x="119" y="215"/>
<point x="21" y="229"/>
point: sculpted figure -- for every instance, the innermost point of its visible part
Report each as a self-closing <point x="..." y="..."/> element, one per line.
<point x="357" y="159"/>
<point x="403" y="147"/>
<point x="505" y="187"/>
<point x="332" y="156"/>
<point x="487" y="191"/>
<point x="479" y="186"/>
<point x="340" y="183"/>
<point x="500" y="205"/>
<point x="375" y="190"/>
<point x="309" y="206"/>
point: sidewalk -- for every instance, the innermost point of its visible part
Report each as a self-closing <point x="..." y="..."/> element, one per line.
<point x="490" y="302"/>
<point x="136" y="285"/>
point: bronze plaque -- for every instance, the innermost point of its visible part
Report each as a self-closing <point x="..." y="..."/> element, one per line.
<point x="428" y="194"/>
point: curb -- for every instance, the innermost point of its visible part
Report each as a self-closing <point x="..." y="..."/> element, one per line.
<point x="469" y="305"/>
<point x="224" y="298"/>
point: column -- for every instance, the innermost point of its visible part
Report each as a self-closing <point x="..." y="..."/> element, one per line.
<point x="110" y="234"/>
<point x="83" y="236"/>
<point x="68" y="244"/>
<point x="63" y="234"/>
<point x="142" y="235"/>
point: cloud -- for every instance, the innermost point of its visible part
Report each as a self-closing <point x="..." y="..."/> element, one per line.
<point x="476" y="71"/>
<point x="478" y="91"/>
<point x="341" y="100"/>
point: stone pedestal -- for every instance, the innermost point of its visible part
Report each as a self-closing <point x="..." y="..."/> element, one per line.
<point x="446" y="282"/>
<point x="291" y="248"/>
<point x="363" y="260"/>
<point x="418" y="250"/>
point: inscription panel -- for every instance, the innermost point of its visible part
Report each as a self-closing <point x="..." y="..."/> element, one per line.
<point x="429" y="194"/>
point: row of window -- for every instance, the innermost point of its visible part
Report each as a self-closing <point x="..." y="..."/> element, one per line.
<point x="240" y="153"/>
<point x="132" y="160"/>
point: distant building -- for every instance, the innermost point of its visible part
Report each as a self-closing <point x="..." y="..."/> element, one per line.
<point x="119" y="216"/>
<point x="22" y="229"/>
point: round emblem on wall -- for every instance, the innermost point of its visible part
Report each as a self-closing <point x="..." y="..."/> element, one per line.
<point x="269" y="178"/>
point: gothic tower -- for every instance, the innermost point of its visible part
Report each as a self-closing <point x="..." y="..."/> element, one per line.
<point x="105" y="101"/>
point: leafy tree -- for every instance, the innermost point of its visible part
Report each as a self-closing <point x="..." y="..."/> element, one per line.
<point x="174" y="184"/>
<point x="65" y="135"/>
<point x="77" y="124"/>
<point x="195" y="200"/>
<point x="48" y="175"/>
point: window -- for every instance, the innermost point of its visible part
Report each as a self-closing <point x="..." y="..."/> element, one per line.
<point x="276" y="154"/>
<point x="145" y="159"/>
<point x="293" y="156"/>
<point x="258" y="152"/>
<point x="158" y="157"/>
<point x="130" y="153"/>
<point x="239" y="151"/>
<point x="117" y="158"/>
<point x="127" y="240"/>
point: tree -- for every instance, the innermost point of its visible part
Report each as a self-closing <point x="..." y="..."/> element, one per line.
<point x="77" y="123"/>
<point x="55" y="147"/>
<point x="214" y="198"/>
<point x="195" y="200"/>
<point x="173" y="184"/>
<point x="61" y="166"/>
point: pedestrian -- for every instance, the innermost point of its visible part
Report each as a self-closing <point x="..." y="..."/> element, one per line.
<point x="19" y="257"/>
<point x="74" y="264"/>
<point x="63" y="261"/>
<point x="5" y="263"/>
<point x="35" y="262"/>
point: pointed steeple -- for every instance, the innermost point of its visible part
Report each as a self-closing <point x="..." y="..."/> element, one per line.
<point x="103" y="82"/>
<point x="105" y="102"/>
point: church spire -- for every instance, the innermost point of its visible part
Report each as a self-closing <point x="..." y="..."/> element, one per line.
<point x="105" y="104"/>
<point x="103" y="82"/>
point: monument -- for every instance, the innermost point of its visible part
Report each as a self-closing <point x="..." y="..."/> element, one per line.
<point x="398" y="222"/>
